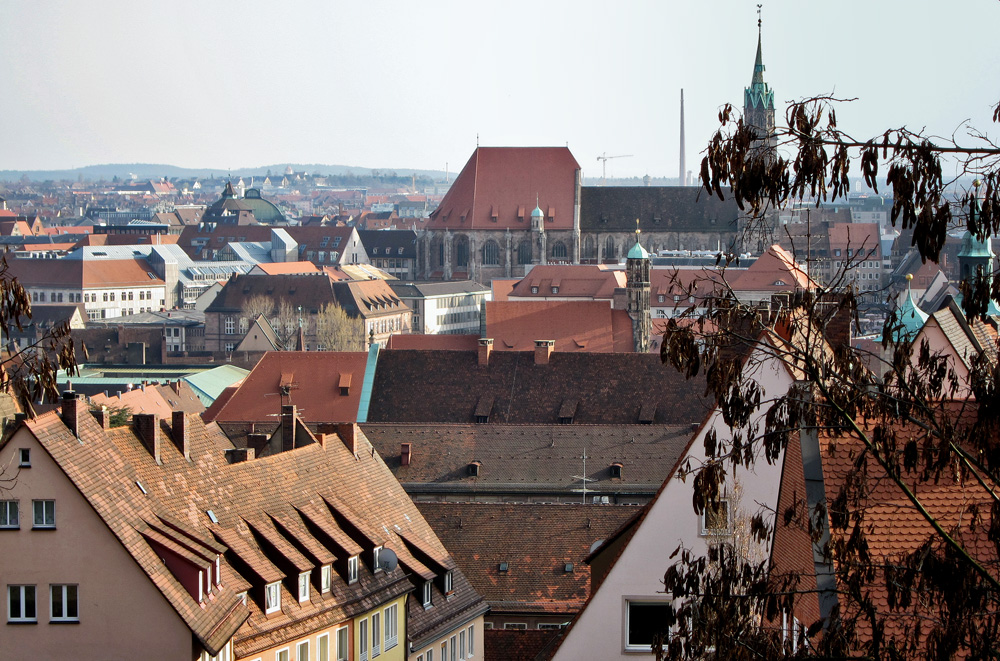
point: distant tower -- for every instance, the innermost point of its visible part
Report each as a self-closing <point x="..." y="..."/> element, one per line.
<point x="976" y="256"/>
<point x="637" y="284"/>
<point x="682" y="173"/>
<point x="538" y="229"/>
<point x="758" y="100"/>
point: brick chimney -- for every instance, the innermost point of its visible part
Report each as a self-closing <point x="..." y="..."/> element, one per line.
<point x="71" y="411"/>
<point x="287" y="427"/>
<point x="543" y="349"/>
<point x="348" y="433"/>
<point x="239" y="455"/>
<point x="147" y="427"/>
<point x="179" y="433"/>
<point x="256" y="442"/>
<point x="103" y="417"/>
<point x="405" y="451"/>
<point x="485" y="349"/>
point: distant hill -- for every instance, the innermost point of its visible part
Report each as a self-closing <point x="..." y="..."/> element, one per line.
<point x="156" y="171"/>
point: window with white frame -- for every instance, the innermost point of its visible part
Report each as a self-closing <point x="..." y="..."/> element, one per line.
<point x="304" y="586"/>
<point x="272" y="597"/>
<point x="715" y="520"/>
<point x="325" y="578"/>
<point x="352" y="569"/>
<point x="461" y="645"/>
<point x="24" y="456"/>
<point x="363" y="640"/>
<point x="376" y="634"/>
<point x="429" y="656"/>
<point x="428" y="593"/>
<point x="391" y="627"/>
<point x="43" y="514"/>
<point x="64" y="604"/>
<point x="448" y="587"/>
<point x="453" y="645"/>
<point x="471" y="638"/>
<point x="229" y="347"/>
<point x="230" y="325"/>
<point x="343" y="641"/>
<point x="21" y="603"/>
<point x="377" y="559"/>
<point x="282" y="655"/>
<point x="643" y="621"/>
<point x="302" y="651"/>
<point x="9" y="514"/>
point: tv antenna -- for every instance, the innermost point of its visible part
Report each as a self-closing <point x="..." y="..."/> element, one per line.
<point x="583" y="478"/>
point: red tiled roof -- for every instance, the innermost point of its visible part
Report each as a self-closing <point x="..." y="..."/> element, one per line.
<point x="85" y="273"/>
<point x="313" y="379"/>
<point x="498" y="182"/>
<point x="775" y="266"/>
<point x="435" y="342"/>
<point x="570" y="281"/>
<point x="591" y="326"/>
<point x="502" y="288"/>
<point x="276" y="268"/>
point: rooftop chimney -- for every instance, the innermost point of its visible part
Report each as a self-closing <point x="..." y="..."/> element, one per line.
<point x="485" y="349"/>
<point x="178" y="430"/>
<point x="543" y="349"/>
<point x="239" y="455"/>
<point x="287" y="427"/>
<point x="103" y="417"/>
<point x="71" y="411"/>
<point x="405" y="453"/>
<point x="348" y="433"/>
<point x="147" y="426"/>
<point x="256" y="442"/>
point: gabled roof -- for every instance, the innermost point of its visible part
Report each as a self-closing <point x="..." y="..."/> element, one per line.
<point x="774" y="271"/>
<point x="658" y="208"/>
<point x="570" y="281"/>
<point x="311" y="381"/>
<point x="275" y="268"/>
<point x="582" y="325"/>
<point x="260" y="336"/>
<point x="310" y="290"/>
<point x="258" y="507"/>
<point x="367" y="298"/>
<point x="499" y="186"/>
<point x="611" y="388"/>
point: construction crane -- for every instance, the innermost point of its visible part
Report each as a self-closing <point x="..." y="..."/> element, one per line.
<point x="604" y="158"/>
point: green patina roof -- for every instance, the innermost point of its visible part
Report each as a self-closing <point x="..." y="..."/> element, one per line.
<point x="972" y="246"/>
<point x="537" y="213"/>
<point x="638" y="252"/>
<point x="758" y="95"/>
<point x="910" y="316"/>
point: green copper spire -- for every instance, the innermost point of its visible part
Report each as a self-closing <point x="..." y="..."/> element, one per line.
<point x="758" y="95"/>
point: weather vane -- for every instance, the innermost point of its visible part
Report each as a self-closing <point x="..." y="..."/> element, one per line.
<point x="758" y="17"/>
<point x="637" y="230"/>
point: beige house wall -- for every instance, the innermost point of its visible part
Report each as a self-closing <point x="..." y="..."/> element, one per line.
<point x="476" y="625"/>
<point x="123" y="615"/>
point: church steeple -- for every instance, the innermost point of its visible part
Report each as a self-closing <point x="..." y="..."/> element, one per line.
<point x="758" y="99"/>
<point x="638" y="289"/>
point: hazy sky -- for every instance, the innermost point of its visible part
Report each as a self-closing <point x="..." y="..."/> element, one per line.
<point x="408" y="84"/>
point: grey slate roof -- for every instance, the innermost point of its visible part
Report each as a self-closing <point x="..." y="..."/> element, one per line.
<point x="658" y="208"/>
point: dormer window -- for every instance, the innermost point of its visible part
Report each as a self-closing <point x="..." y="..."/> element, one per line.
<point x="428" y="593"/>
<point x="534" y="290"/>
<point x="616" y="470"/>
<point x="272" y="597"/>
<point x="377" y="559"/>
<point x="555" y="290"/>
<point x="448" y="587"/>
<point x="325" y="578"/>
<point x="304" y="586"/>
<point x="352" y="569"/>
<point x="473" y="468"/>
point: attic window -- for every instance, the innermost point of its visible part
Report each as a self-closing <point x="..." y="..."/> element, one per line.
<point x="377" y="559"/>
<point x="616" y="470"/>
<point x="141" y="488"/>
<point x="779" y="283"/>
<point x="555" y="290"/>
<point x="520" y="214"/>
<point x="483" y="409"/>
<point x="647" y="413"/>
<point x="449" y="587"/>
<point x="567" y="411"/>
<point x="211" y="516"/>
<point x="25" y="457"/>
<point x="345" y="384"/>
<point x="534" y="290"/>
<point x="568" y="568"/>
<point x="272" y="597"/>
<point x="473" y="468"/>
<point x="504" y="566"/>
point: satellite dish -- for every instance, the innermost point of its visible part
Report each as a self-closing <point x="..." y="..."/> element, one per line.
<point x="387" y="560"/>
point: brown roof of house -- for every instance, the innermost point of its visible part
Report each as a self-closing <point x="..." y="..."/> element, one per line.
<point x="536" y="541"/>
<point x="499" y="187"/>
<point x="368" y="298"/>
<point x="581" y="325"/>
<point x="256" y="504"/>
<point x="310" y="290"/>
<point x="611" y="388"/>
<point x="775" y="270"/>
<point x="520" y="644"/>
<point x="83" y="273"/>
<point x="287" y="267"/>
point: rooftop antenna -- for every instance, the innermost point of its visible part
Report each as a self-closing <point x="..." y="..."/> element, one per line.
<point x="583" y="478"/>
